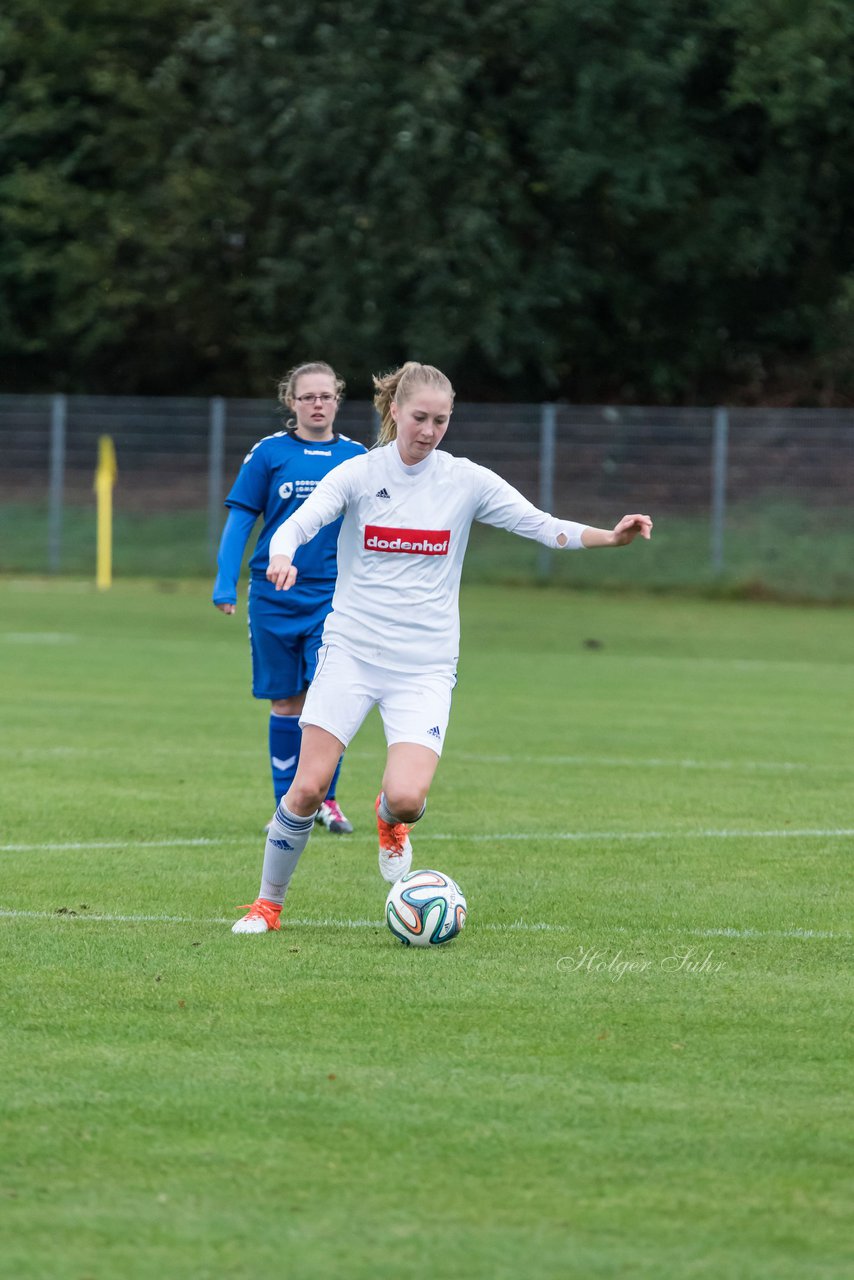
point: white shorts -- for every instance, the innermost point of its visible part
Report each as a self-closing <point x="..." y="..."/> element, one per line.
<point x="414" y="707"/>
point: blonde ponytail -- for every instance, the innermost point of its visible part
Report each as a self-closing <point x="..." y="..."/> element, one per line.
<point x="398" y="386"/>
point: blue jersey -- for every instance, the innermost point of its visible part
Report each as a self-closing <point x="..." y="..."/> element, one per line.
<point x="277" y="475"/>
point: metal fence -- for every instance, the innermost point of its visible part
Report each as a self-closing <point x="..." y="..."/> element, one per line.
<point x="707" y="472"/>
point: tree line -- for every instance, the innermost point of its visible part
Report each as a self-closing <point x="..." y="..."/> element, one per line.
<point x="645" y="200"/>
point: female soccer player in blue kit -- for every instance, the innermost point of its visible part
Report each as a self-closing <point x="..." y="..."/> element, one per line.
<point x="276" y="477"/>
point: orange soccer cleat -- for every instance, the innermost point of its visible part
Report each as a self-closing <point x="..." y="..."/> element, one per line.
<point x="395" y="855"/>
<point x="262" y="917"/>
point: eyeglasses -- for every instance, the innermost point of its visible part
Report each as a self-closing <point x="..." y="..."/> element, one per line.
<point x="325" y="397"/>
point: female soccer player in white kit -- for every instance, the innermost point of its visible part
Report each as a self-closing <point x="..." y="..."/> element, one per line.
<point x="392" y="636"/>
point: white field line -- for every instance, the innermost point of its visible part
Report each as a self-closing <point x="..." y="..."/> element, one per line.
<point x="480" y="837"/>
<point x="516" y="926"/>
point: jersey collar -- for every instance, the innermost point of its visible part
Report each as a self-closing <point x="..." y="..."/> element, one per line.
<point x="292" y="432"/>
<point x="419" y="468"/>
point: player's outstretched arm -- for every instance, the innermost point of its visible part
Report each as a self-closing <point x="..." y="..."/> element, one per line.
<point x="624" y="532"/>
<point x="232" y="545"/>
<point x="281" y="572"/>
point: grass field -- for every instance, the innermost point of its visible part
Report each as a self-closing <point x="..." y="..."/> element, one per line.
<point x="635" y="1061"/>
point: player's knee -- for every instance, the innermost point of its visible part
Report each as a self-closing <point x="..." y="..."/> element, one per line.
<point x="288" y="706"/>
<point x="308" y="793"/>
<point x="405" y="801"/>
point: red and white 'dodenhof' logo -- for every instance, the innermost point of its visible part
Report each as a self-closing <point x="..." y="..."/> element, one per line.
<point x="408" y="542"/>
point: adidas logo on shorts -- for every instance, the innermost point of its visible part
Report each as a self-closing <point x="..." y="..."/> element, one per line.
<point x="382" y="493"/>
<point x="434" y="732"/>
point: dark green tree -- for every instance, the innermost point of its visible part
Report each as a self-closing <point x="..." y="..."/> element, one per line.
<point x="643" y="200"/>
<point x="109" y="233"/>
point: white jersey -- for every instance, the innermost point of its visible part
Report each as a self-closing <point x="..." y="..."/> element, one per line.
<point x="401" y="550"/>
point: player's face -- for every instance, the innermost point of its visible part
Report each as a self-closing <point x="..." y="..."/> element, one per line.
<point x="314" y="415"/>
<point x="422" y="421"/>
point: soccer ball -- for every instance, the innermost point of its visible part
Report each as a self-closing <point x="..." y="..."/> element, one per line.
<point x="425" y="908"/>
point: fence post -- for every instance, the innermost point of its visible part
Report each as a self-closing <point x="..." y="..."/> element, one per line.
<point x="720" y="435"/>
<point x="58" y="414"/>
<point x="216" y="465"/>
<point x="548" y="425"/>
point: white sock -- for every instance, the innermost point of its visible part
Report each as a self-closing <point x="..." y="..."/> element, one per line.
<point x="286" y="839"/>
<point x="387" y="816"/>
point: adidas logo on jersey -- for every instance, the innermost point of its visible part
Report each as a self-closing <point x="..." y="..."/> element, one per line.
<point x="382" y="493"/>
<point x="435" y="732"/>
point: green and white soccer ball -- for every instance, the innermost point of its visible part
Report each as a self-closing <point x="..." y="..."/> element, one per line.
<point x="425" y="908"/>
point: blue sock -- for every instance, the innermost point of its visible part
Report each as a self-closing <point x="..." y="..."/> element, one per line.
<point x="285" y="739"/>
<point x="330" y="795"/>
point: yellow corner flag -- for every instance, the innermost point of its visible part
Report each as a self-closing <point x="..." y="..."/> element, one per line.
<point x="105" y="479"/>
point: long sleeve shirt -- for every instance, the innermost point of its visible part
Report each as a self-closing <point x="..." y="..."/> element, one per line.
<point x="401" y="548"/>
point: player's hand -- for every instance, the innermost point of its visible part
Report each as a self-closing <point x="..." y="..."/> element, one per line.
<point x="631" y="527"/>
<point x="281" y="572"/>
<point x="227" y="608"/>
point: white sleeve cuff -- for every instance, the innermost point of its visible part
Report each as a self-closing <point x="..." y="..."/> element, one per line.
<point x="572" y="532"/>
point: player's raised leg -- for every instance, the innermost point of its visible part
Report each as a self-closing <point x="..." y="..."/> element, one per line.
<point x="291" y="827"/>
<point x="408" y="774"/>
<point x="329" y="815"/>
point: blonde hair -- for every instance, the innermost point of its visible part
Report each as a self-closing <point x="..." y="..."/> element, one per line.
<point x="288" y="384"/>
<point x="399" y="386"/>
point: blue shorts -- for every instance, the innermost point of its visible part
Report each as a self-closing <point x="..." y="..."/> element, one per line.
<point x="285" y="629"/>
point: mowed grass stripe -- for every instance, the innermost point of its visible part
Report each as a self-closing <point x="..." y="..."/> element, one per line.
<point x="46" y="753"/>
<point x="652" y="762"/>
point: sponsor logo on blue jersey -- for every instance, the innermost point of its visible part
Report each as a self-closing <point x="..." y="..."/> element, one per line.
<point x="279" y="473"/>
